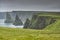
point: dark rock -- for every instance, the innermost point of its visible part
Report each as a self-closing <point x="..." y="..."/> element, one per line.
<point x="17" y="21"/>
<point x="8" y="18"/>
<point x="52" y="20"/>
<point x="27" y="23"/>
<point x="40" y="22"/>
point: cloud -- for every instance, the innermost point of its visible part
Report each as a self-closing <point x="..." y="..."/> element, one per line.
<point x="29" y="5"/>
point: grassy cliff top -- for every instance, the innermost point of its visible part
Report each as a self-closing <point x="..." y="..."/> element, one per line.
<point x="52" y="14"/>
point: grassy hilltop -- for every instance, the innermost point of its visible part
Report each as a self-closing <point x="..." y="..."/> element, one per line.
<point x="50" y="32"/>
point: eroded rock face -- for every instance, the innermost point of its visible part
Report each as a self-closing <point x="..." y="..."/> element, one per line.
<point x="41" y="22"/>
<point x="8" y="18"/>
<point x="27" y="23"/>
<point x="17" y="21"/>
<point x="52" y="20"/>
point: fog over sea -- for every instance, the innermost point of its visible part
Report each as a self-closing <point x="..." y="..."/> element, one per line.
<point x="8" y="24"/>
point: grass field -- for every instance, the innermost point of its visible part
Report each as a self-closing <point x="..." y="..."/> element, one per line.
<point x="28" y="34"/>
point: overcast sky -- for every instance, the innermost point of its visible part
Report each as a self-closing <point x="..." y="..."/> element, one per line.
<point x="30" y="5"/>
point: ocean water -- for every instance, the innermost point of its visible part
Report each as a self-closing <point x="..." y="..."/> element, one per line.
<point x="2" y="24"/>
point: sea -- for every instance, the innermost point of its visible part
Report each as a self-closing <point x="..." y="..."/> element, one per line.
<point x="10" y="25"/>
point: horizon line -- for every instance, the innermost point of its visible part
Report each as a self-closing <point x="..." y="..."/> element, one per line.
<point x="34" y="10"/>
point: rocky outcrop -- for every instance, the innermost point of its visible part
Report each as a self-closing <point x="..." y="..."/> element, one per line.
<point x="27" y="23"/>
<point x="8" y="18"/>
<point x="17" y="21"/>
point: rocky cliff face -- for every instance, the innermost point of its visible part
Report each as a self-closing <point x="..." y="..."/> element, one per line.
<point x="17" y="21"/>
<point x="40" y="22"/>
<point x="27" y="23"/>
<point x="8" y="18"/>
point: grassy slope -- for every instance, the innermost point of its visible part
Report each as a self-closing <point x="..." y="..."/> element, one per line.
<point x="54" y="26"/>
<point x="28" y="34"/>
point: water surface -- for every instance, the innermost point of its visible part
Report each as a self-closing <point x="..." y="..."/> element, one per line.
<point x="8" y="24"/>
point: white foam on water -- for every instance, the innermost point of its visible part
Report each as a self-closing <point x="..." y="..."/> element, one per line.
<point x="8" y="24"/>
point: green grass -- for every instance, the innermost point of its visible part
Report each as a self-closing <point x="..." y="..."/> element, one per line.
<point x="50" y="14"/>
<point x="54" y="26"/>
<point x="28" y="34"/>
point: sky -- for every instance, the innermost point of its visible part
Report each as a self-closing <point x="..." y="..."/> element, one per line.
<point x="29" y="5"/>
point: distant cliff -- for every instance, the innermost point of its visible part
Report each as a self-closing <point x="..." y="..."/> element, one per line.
<point x="2" y="15"/>
<point x="8" y="18"/>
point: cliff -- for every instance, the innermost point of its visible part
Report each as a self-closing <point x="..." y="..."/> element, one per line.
<point x="17" y="21"/>
<point x="8" y="18"/>
<point x="42" y="20"/>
